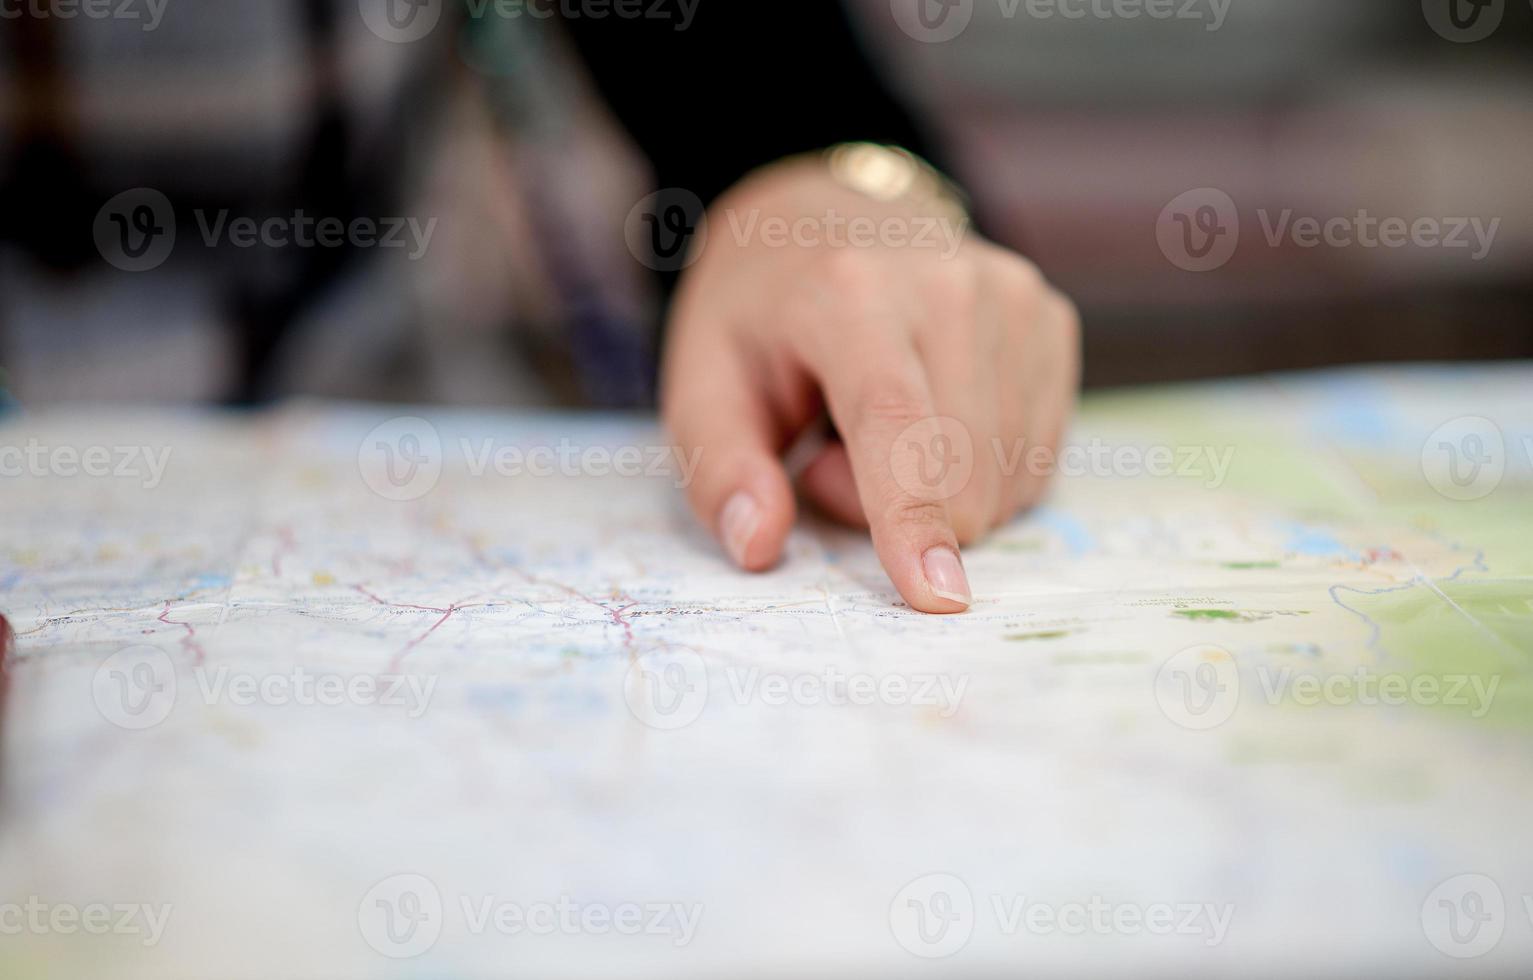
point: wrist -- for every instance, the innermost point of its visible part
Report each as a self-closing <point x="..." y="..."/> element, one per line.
<point x="859" y="178"/>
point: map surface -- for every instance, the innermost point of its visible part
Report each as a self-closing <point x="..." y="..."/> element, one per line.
<point x="340" y="691"/>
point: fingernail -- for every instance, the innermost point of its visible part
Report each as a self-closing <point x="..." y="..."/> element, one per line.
<point x="944" y="574"/>
<point x="738" y="523"/>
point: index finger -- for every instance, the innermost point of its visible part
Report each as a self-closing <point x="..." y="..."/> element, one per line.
<point x="908" y="462"/>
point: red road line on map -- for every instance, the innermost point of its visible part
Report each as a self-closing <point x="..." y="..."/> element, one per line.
<point x="395" y="661"/>
<point x="400" y="656"/>
<point x="625" y="624"/>
<point x="616" y="615"/>
<point x="189" y="641"/>
<point x="402" y="605"/>
<point x="285" y="544"/>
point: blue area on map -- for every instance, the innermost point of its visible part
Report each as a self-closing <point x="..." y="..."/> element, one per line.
<point x="1350" y="410"/>
<point x="501" y="697"/>
<point x="1315" y="542"/>
<point x="1408" y="861"/>
<point x="212" y="580"/>
<point x="1074" y="534"/>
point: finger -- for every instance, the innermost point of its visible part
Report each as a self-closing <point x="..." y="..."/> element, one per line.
<point x="724" y="425"/>
<point x="1016" y="448"/>
<point x="1051" y="367"/>
<point x="828" y="482"/>
<point x="1037" y="378"/>
<point x="881" y="402"/>
<point x="1019" y="285"/>
<point x="960" y="348"/>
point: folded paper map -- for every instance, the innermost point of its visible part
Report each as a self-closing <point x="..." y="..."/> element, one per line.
<point x="366" y="691"/>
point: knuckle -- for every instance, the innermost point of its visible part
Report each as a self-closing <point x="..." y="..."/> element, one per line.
<point x="1071" y="318"/>
<point x="912" y="512"/>
<point x="1065" y="322"/>
<point x="851" y="272"/>
<point x="888" y="404"/>
<point x="810" y="311"/>
<point x="1063" y="311"/>
<point x="952" y="290"/>
<point x="1021" y="280"/>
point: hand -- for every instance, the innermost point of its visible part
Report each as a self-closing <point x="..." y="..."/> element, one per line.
<point x="941" y="364"/>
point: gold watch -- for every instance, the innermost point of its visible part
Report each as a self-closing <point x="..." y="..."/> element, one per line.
<point x="893" y="173"/>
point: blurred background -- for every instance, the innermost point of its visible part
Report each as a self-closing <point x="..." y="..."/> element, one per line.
<point x="1076" y="133"/>
<point x="1209" y="179"/>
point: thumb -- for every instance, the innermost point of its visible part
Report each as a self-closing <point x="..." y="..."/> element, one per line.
<point x="717" y="415"/>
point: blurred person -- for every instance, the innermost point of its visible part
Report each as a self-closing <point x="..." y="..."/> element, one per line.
<point x="843" y="282"/>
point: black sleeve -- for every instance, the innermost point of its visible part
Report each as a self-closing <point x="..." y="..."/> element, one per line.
<point x="740" y="85"/>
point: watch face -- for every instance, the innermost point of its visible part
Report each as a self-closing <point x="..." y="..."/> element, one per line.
<point x="891" y="173"/>
<point x="877" y="171"/>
